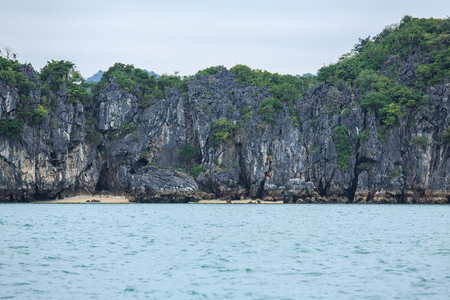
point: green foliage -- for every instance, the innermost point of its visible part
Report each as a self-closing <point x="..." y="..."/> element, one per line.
<point x="38" y="115"/>
<point x="210" y="71"/>
<point x="446" y="136"/>
<point x="341" y="142"/>
<point x="92" y="136"/>
<point x="221" y="131"/>
<point x="360" y="68"/>
<point x="269" y="108"/>
<point x="187" y="152"/>
<point x="382" y="134"/>
<point x="135" y="136"/>
<point x="147" y="88"/>
<point x="421" y="141"/>
<point x="387" y="98"/>
<point x="127" y="129"/>
<point x="11" y="128"/>
<point x="389" y="114"/>
<point x="58" y="73"/>
<point x="79" y="93"/>
<point x="286" y="89"/>
<point x="362" y="136"/>
<point x="369" y="55"/>
<point x="197" y="169"/>
<point x="10" y="74"/>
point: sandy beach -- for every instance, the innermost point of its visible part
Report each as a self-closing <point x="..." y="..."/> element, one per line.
<point x="246" y="201"/>
<point x="84" y="199"/>
<point x="121" y="199"/>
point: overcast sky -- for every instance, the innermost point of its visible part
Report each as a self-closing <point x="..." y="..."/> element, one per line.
<point x="288" y="37"/>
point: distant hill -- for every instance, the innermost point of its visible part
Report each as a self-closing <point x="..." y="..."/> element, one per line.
<point x="305" y="75"/>
<point x="97" y="76"/>
<point x="151" y="73"/>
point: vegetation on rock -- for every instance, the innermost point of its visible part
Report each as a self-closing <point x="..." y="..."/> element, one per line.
<point x="221" y="131"/>
<point x="368" y="68"/>
<point x="341" y="142"/>
<point x="285" y="90"/>
<point x="187" y="152"/>
<point x="146" y="87"/>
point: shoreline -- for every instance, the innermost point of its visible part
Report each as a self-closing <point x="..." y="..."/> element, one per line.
<point x="108" y="199"/>
<point x="246" y="201"/>
<point x="84" y="199"/>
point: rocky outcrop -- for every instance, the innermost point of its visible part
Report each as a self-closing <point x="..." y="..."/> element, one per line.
<point x="163" y="186"/>
<point x="138" y="151"/>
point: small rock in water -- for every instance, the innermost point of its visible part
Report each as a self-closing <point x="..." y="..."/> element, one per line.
<point x="88" y="200"/>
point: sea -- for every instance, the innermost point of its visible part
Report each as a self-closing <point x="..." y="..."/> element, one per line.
<point x="224" y="251"/>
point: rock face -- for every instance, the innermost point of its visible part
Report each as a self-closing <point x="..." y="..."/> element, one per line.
<point x="139" y="150"/>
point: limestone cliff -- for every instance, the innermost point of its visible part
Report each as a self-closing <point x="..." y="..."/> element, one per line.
<point x="138" y="148"/>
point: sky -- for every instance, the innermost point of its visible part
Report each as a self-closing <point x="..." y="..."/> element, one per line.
<point x="168" y="36"/>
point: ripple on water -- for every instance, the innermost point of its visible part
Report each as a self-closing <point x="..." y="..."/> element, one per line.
<point x="220" y="252"/>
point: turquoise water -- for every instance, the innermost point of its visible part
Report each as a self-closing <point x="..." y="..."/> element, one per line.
<point x="200" y="251"/>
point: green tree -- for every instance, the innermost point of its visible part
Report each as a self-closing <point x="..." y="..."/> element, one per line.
<point x="221" y="131"/>
<point x="11" y="128"/>
<point x="187" y="152"/>
<point x="269" y="108"/>
<point x="342" y="143"/>
<point x="38" y="115"/>
<point x="58" y="73"/>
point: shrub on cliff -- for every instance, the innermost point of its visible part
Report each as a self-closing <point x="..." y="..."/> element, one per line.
<point x="269" y="108"/>
<point x="286" y="89"/>
<point x="210" y="71"/>
<point x="421" y="141"/>
<point x="11" y="128"/>
<point x="341" y="142"/>
<point x="25" y="111"/>
<point x="147" y="88"/>
<point x="58" y="73"/>
<point x="446" y="136"/>
<point x="221" y="131"/>
<point x="187" y="152"/>
<point x="197" y="169"/>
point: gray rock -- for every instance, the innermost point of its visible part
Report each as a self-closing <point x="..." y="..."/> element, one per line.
<point x="296" y="163"/>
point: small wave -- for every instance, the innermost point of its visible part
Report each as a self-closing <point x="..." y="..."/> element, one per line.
<point x="21" y="283"/>
<point x="18" y="247"/>
<point x="51" y="258"/>
<point x="68" y="272"/>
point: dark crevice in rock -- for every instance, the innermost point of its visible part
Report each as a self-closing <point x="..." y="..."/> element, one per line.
<point x="323" y="189"/>
<point x="352" y="188"/>
<point x="138" y="165"/>
<point x="259" y="193"/>
<point x="102" y="183"/>
<point x="402" y="197"/>
<point x="54" y="160"/>
<point x="244" y="175"/>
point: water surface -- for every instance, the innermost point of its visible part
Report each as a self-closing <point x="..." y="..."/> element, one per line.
<point x="200" y="251"/>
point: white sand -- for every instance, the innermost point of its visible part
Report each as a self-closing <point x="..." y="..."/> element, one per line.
<point x="219" y="201"/>
<point x="83" y="199"/>
<point x="121" y="199"/>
